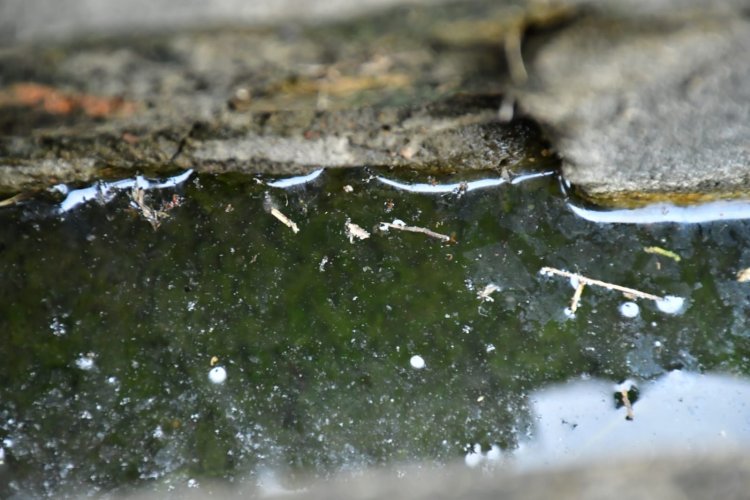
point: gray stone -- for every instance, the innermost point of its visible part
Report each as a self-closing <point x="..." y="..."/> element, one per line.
<point x="647" y="104"/>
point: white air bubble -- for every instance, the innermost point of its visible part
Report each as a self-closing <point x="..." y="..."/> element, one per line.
<point x="217" y="375"/>
<point x="629" y="309"/>
<point x="417" y="362"/>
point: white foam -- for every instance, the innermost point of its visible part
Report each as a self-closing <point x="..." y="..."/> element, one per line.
<point x="670" y="304"/>
<point x="85" y="363"/>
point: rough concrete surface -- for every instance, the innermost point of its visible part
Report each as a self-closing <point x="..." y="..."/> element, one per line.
<point x="724" y="475"/>
<point x="647" y="104"/>
<point x="390" y="90"/>
<point x="644" y="101"/>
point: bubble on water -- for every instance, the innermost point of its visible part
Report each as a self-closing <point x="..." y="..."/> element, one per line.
<point x="217" y="375"/>
<point x="568" y="312"/>
<point x="670" y="304"/>
<point x="417" y="362"/>
<point x="192" y="483"/>
<point x="629" y="309"/>
<point x="85" y="363"/>
<point x="490" y="348"/>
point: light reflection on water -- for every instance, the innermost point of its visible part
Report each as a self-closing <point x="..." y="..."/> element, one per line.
<point x="717" y="211"/>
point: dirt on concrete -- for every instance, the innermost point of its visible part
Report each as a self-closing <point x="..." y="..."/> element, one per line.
<point x="644" y="102"/>
<point x="417" y="87"/>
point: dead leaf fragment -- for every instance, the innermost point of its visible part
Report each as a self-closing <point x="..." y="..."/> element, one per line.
<point x="354" y="231"/>
<point x="486" y="292"/>
<point x="743" y="275"/>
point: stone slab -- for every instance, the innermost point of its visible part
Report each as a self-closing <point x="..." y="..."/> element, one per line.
<point x="646" y="105"/>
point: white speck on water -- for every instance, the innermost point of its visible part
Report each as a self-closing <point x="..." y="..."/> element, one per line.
<point x="574" y="282"/>
<point x="568" y="312"/>
<point x="158" y="432"/>
<point x="8" y="443"/>
<point x="657" y="344"/>
<point x="670" y="304"/>
<point x="629" y="309"/>
<point x="58" y="327"/>
<point x="191" y="305"/>
<point x="417" y="362"/>
<point x="490" y="348"/>
<point x="85" y="363"/>
<point x="86" y="415"/>
<point x="217" y="375"/>
<point x="192" y="483"/>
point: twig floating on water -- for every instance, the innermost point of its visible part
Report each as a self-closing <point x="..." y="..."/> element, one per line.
<point x="630" y="292"/>
<point x="663" y="251"/>
<point x="627" y="404"/>
<point x="577" y="297"/>
<point x="285" y="220"/>
<point x="384" y="226"/>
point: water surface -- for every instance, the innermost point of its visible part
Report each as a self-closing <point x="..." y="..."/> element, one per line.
<point x="110" y="327"/>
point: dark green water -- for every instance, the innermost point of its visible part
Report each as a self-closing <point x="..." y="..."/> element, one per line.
<point x="108" y="327"/>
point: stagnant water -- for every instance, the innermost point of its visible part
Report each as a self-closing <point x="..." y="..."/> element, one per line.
<point x="225" y="345"/>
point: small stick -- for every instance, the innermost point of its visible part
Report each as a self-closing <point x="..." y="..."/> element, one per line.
<point x="415" y="229"/>
<point x="628" y="406"/>
<point x="577" y="297"/>
<point x="285" y="220"/>
<point x="609" y="286"/>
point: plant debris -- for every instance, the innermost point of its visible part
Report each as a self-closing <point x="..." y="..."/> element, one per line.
<point x="285" y="220"/>
<point x="664" y="252"/>
<point x="401" y="226"/>
<point x="152" y="215"/>
<point x="486" y="292"/>
<point x="354" y="231"/>
<point x="576" y="300"/>
<point x="743" y="275"/>
<point x="583" y="281"/>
